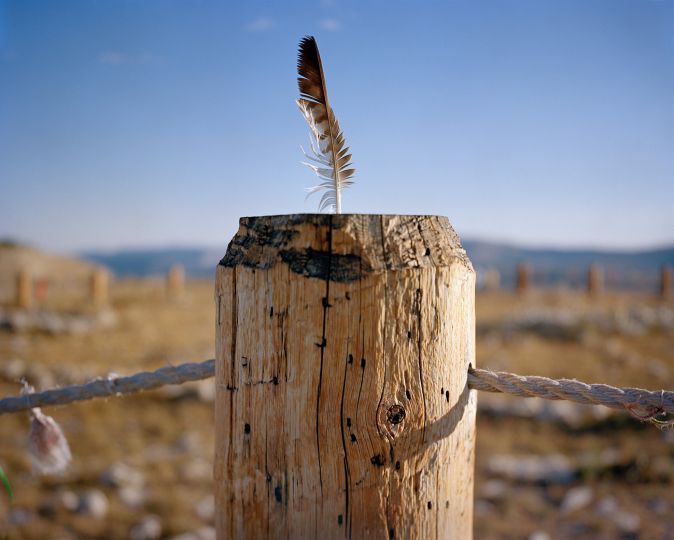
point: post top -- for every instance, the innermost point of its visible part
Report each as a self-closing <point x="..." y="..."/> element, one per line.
<point x="345" y="247"/>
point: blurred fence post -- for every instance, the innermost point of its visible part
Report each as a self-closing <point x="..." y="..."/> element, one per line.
<point x="99" y="284"/>
<point x="665" y="282"/>
<point x="175" y="281"/>
<point x="24" y="290"/>
<point x="522" y="278"/>
<point x="342" y="406"/>
<point x="595" y="280"/>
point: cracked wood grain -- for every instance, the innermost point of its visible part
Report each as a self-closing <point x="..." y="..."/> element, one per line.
<point x="347" y="339"/>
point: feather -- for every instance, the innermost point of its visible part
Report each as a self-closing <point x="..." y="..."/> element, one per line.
<point x="327" y="146"/>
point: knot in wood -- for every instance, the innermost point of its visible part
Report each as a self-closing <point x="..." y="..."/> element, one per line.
<point x="395" y="414"/>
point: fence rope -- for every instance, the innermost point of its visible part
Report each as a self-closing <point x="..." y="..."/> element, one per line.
<point x="112" y="385"/>
<point x="642" y="404"/>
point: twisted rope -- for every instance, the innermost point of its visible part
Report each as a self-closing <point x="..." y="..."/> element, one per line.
<point x="110" y="386"/>
<point x="642" y="404"/>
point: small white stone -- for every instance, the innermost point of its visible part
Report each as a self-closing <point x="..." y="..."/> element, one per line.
<point x="148" y="529"/>
<point x="205" y="508"/>
<point x="93" y="503"/>
<point x="577" y="498"/>
<point x="120" y="474"/>
<point x="627" y="522"/>
<point x="607" y="506"/>
<point x="69" y="500"/>
<point x="132" y="496"/>
<point x="494" y="489"/>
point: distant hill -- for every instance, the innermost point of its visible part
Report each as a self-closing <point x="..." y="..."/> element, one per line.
<point x="623" y="269"/>
<point x="198" y="262"/>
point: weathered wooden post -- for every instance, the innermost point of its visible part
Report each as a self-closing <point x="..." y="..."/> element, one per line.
<point x="175" y="281"/>
<point x="665" y="282"/>
<point x="342" y="349"/>
<point x="24" y="290"/>
<point x="522" y="278"/>
<point x="595" y="280"/>
<point x="99" y="287"/>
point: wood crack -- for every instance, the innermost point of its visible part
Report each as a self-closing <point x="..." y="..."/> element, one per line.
<point x="326" y="304"/>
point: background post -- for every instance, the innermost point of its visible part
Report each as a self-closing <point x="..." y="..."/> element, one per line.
<point x="595" y="280"/>
<point x="24" y="290"/>
<point x="342" y="349"/>
<point x="175" y="281"/>
<point x="665" y="282"/>
<point x="522" y="278"/>
<point x="99" y="284"/>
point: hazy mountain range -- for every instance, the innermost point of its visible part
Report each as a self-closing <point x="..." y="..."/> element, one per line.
<point x="623" y="269"/>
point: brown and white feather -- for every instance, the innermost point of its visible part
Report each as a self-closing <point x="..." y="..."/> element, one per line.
<point x="329" y="153"/>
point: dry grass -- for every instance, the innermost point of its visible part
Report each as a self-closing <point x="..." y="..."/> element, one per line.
<point x="171" y="440"/>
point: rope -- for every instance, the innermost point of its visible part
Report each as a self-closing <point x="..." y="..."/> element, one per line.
<point x="642" y="404"/>
<point x="110" y="386"/>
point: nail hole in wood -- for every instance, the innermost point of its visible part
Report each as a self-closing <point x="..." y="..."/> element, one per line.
<point x="377" y="460"/>
<point x="395" y="414"/>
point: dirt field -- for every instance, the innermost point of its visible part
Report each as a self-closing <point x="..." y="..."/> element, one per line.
<point x="142" y="464"/>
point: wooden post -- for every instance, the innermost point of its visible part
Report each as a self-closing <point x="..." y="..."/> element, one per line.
<point x="98" y="287"/>
<point x="342" y="349"/>
<point x="24" y="290"/>
<point x="175" y="281"/>
<point x="522" y="279"/>
<point x="595" y="280"/>
<point x="665" y="282"/>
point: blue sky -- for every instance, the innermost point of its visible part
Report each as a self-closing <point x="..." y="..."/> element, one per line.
<point x="143" y="123"/>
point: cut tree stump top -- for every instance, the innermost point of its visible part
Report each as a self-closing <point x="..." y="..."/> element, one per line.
<point x="356" y="244"/>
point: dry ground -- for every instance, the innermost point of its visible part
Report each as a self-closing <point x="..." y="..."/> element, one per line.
<point x="169" y="440"/>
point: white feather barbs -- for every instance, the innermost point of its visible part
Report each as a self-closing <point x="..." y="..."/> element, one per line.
<point x="321" y="153"/>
